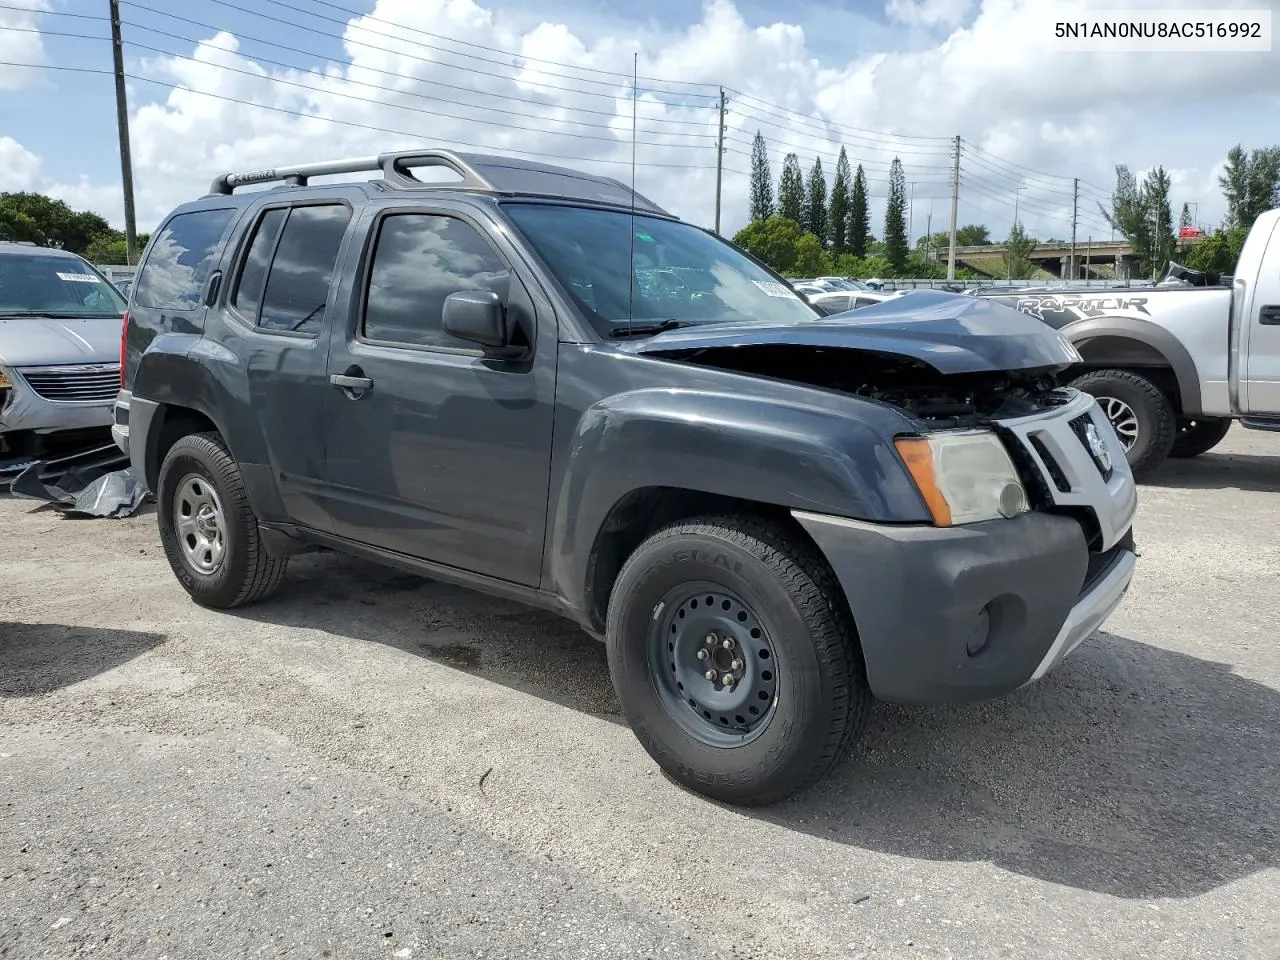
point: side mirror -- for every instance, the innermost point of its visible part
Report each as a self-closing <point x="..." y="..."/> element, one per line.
<point x="477" y="316"/>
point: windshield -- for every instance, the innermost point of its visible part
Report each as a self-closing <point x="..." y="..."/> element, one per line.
<point x="681" y="273"/>
<point x="37" y="284"/>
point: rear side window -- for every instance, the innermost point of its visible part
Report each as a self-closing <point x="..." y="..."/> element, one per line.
<point x="253" y="276"/>
<point x="418" y="261"/>
<point x="306" y="253"/>
<point x="180" y="260"/>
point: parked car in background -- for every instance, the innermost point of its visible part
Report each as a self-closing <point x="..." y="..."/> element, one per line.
<point x="831" y="302"/>
<point x="124" y="286"/>
<point x="60" y="323"/>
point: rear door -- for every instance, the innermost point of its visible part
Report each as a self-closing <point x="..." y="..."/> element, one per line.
<point x="446" y="456"/>
<point x="1260" y="393"/>
<point x="279" y="301"/>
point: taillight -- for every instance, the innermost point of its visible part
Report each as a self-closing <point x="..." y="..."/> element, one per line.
<point x="124" y="330"/>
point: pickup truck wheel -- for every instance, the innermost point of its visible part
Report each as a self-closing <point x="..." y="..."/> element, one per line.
<point x="734" y="659"/>
<point x="207" y="528"/>
<point x="1197" y="436"/>
<point x="1138" y="410"/>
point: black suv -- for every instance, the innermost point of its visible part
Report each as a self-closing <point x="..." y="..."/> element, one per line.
<point x="538" y="383"/>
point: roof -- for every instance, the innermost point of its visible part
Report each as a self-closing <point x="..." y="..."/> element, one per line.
<point x="23" y="246"/>
<point x="475" y="173"/>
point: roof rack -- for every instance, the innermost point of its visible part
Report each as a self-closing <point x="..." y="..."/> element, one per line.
<point x="476" y="172"/>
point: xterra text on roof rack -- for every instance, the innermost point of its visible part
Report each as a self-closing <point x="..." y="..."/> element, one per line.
<point x="540" y="384"/>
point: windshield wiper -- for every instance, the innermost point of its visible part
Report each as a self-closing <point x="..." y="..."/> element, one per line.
<point x="648" y="329"/>
<point x="57" y="315"/>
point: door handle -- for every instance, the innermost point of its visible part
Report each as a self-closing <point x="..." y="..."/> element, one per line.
<point x="1269" y="316"/>
<point x="351" y="383"/>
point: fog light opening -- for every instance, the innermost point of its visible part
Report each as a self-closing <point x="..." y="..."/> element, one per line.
<point x="981" y="635"/>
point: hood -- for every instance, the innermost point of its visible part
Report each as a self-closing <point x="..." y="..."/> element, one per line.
<point x="951" y="333"/>
<point x="40" y="341"/>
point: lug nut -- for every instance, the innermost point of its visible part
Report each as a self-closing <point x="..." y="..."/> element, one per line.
<point x="730" y="679"/>
<point x="702" y="654"/>
<point x="736" y="665"/>
<point x="728" y="643"/>
<point x="710" y="675"/>
<point x="712" y="639"/>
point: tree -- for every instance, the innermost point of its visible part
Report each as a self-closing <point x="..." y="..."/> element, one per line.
<point x="839" y="211"/>
<point x="1141" y="213"/>
<point x="1185" y="219"/>
<point x="815" y="202"/>
<point x="761" y="181"/>
<point x="1155" y="197"/>
<point x="1218" y="252"/>
<point x="48" y="222"/>
<point x="895" y="217"/>
<point x="791" y="189"/>
<point x="111" y="248"/>
<point x="859" y="215"/>
<point x="784" y="245"/>
<point x="970" y="235"/>
<point x="1017" y="254"/>
<point x="1250" y="183"/>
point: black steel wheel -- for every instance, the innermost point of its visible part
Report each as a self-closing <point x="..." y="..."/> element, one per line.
<point x="735" y="658"/>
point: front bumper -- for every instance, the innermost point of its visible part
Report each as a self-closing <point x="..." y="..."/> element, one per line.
<point x="971" y="612"/>
<point x="23" y="408"/>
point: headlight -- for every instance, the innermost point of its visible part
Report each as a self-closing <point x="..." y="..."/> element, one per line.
<point x="964" y="476"/>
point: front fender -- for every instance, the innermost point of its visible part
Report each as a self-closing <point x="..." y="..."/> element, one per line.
<point x="1150" y="335"/>
<point x="772" y="452"/>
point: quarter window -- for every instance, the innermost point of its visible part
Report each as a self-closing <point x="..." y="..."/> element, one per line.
<point x="418" y="261"/>
<point x="180" y="260"/>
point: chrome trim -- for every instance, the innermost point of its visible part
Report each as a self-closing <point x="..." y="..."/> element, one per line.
<point x="1089" y="612"/>
<point x="1114" y="500"/>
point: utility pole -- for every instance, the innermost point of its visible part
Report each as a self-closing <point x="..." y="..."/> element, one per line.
<point x="122" y="125"/>
<point x="719" y="157"/>
<point x="1075" y="211"/>
<point x="928" y="234"/>
<point x="955" y="210"/>
<point x="1088" y="251"/>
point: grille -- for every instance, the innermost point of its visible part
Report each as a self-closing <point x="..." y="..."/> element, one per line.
<point x="1080" y="425"/>
<point x="91" y="384"/>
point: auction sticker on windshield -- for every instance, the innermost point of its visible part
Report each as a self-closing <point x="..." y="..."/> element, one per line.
<point x="79" y="277"/>
<point x="776" y="289"/>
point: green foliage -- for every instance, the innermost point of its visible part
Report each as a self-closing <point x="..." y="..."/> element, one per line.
<point x="1017" y="255"/>
<point x="791" y="190"/>
<point x="859" y="215"/>
<point x="1251" y="184"/>
<point x="49" y="223"/>
<point x="1218" y="252"/>
<point x="815" y="202"/>
<point x="895" y="218"/>
<point x="784" y="245"/>
<point x="1185" y="219"/>
<point x="761" y="180"/>
<point x="839" y="211"/>
<point x="970" y="235"/>
<point x="112" y="248"/>
<point x="1141" y="213"/>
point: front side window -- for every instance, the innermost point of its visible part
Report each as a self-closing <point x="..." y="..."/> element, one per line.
<point x="623" y="269"/>
<point x="38" y="284"/>
<point x="418" y="261"/>
<point x="180" y="260"/>
<point x="301" y="266"/>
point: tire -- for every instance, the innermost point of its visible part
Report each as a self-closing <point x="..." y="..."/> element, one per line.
<point x="1152" y="414"/>
<point x="773" y="590"/>
<point x="1197" y="436"/>
<point x="240" y="572"/>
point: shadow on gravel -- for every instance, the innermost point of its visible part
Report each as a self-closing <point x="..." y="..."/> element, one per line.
<point x="1132" y="771"/>
<point x="528" y="650"/>
<point x="38" y="658"/>
<point x="1218" y="471"/>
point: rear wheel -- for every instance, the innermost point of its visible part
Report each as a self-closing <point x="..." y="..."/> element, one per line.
<point x="207" y="528"/>
<point x="735" y="660"/>
<point x="1197" y="436"/>
<point x="1140" y="413"/>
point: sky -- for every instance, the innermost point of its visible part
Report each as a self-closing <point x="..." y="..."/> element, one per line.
<point x="245" y="84"/>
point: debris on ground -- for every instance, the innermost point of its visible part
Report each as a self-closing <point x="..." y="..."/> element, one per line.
<point x="89" y="491"/>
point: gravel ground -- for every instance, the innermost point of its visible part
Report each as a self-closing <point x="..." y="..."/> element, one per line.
<point x="373" y="765"/>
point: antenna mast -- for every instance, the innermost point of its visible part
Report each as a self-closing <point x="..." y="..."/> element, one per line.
<point x="631" y="287"/>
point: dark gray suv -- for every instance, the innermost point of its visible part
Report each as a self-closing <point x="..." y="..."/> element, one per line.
<point x="538" y="383"/>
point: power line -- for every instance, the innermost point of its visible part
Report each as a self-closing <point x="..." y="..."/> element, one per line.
<point x="352" y="123"/>
<point x="389" y="73"/>
<point x="430" y="113"/>
<point x="1051" y="176"/>
<point x="51" y="13"/>
<point x="741" y="137"/>
<point x="853" y="162"/>
<point x="877" y="133"/>
<point x="832" y="131"/>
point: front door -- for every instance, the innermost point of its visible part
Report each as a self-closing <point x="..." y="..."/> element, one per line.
<point x="1260" y="393"/>
<point x="432" y="450"/>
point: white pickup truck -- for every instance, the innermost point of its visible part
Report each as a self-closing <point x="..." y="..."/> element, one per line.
<point x="1172" y="367"/>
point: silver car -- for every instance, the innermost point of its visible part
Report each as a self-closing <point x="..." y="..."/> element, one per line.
<point x="60" y="322"/>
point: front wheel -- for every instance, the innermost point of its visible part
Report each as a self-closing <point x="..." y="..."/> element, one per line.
<point x="735" y="660"/>
<point x="1197" y="436"/>
<point x="1140" y="413"/>
<point x="207" y="528"/>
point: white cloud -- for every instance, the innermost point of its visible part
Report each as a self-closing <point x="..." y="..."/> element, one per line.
<point x="1023" y="106"/>
<point x="19" y="167"/>
<point x="18" y="44"/>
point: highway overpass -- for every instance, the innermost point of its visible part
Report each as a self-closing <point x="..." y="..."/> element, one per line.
<point x="1109" y="259"/>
